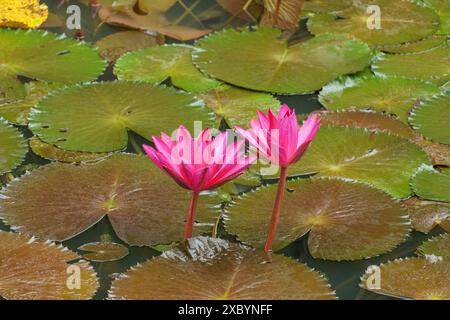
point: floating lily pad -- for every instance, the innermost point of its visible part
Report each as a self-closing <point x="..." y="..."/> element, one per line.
<point x="154" y="65"/>
<point x="432" y="119"/>
<point x="37" y="270"/>
<point x="281" y="14"/>
<point x="439" y="154"/>
<point x="50" y="152"/>
<point x="392" y="95"/>
<point x="429" y="183"/>
<point x="18" y="111"/>
<point x="345" y="220"/>
<point x="438" y="247"/>
<point x="382" y="160"/>
<point x="144" y="206"/>
<point x="96" y="117"/>
<point x="400" y="21"/>
<point x="412" y="278"/>
<point x="417" y="46"/>
<point x="372" y="121"/>
<point x="238" y="106"/>
<point x="12" y="147"/>
<point x="261" y="61"/>
<point x="321" y="6"/>
<point x="442" y="8"/>
<point x="26" y="14"/>
<point x="220" y="270"/>
<point x="116" y="44"/>
<point x="103" y="251"/>
<point x="426" y="215"/>
<point x="431" y="65"/>
<point x="44" y="56"/>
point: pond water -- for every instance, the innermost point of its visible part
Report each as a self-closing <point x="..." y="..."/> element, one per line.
<point x="343" y="276"/>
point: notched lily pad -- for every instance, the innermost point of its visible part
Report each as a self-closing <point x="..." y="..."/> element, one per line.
<point x="439" y="154"/>
<point x="103" y="251"/>
<point x="144" y="206"/>
<point x="429" y="183"/>
<point x="380" y="159"/>
<point x="426" y="215"/>
<point x="412" y="278"/>
<point x="344" y="220"/>
<point x="400" y="22"/>
<point x="12" y="147"/>
<point x="260" y="60"/>
<point x="216" y="269"/>
<point x="393" y="95"/>
<point x="437" y="247"/>
<point x="154" y="65"/>
<point x="95" y="117"/>
<point x="37" y="270"/>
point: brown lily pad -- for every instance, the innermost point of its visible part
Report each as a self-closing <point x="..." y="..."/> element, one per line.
<point x="104" y="251"/>
<point x="426" y="215"/>
<point x="437" y="247"/>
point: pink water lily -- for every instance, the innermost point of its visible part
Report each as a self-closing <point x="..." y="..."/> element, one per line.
<point x="199" y="163"/>
<point x="280" y="140"/>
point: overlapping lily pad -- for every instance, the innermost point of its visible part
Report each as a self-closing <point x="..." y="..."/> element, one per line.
<point x="438" y="247"/>
<point x="12" y="147"/>
<point x="104" y="251"/>
<point x="321" y="6"/>
<point x="392" y="95"/>
<point x="412" y="278"/>
<point x="417" y="46"/>
<point x="345" y="220"/>
<point x="96" y="117"/>
<point x="438" y="153"/>
<point x="33" y="269"/>
<point x="400" y="21"/>
<point x="154" y="65"/>
<point x="215" y="269"/>
<point x="383" y="160"/>
<point x="43" y="56"/>
<point x="261" y="61"/>
<point x="426" y="215"/>
<point x="144" y="206"/>
<point x="429" y="183"/>
<point x="428" y="65"/>
<point x="432" y="119"/>
<point x="238" y="106"/>
<point x="442" y="8"/>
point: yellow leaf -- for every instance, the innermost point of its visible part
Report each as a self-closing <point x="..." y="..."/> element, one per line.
<point x="28" y="14"/>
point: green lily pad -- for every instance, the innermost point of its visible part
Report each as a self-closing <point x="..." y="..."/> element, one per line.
<point x="438" y="247"/>
<point x="18" y="111"/>
<point x="411" y="278"/>
<point x="417" y="46"/>
<point x="44" y="56"/>
<point x="143" y="204"/>
<point x="382" y="160"/>
<point x="213" y="269"/>
<point x="432" y="119"/>
<point x="238" y="106"/>
<point x="103" y="251"/>
<point x="12" y="147"/>
<point x="442" y="8"/>
<point x="321" y="6"/>
<point x="431" y="65"/>
<point x="400" y="21"/>
<point x="31" y="269"/>
<point x="96" y="117"/>
<point x="261" y="61"/>
<point x="426" y="215"/>
<point x="393" y="95"/>
<point x="429" y="183"/>
<point x="344" y="220"/>
<point x="154" y="65"/>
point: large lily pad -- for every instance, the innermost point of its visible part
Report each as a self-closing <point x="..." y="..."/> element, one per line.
<point x="144" y="206"/>
<point x="345" y="220"/>
<point x="12" y="147"/>
<point x="400" y="21"/>
<point x="392" y="95"/>
<point x="321" y="6"/>
<point x="238" y="106"/>
<point x="438" y="247"/>
<point x="430" y="65"/>
<point x="261" y="61"/>
<point x="154" y="65"/>
<point x="383" y="160"/>
<point x="417" y="46"/>
<point x="429" y="183"/>
<point x="412" y="278"/>
<point x="426" y="215"/>
<point x="432" y="119"/>
<point x="215" y="269"/>
<point x="442" y="8"/>
<point x="33" y="269"/>
<point x="96" y="117"/>
<point x="43" y="56"/>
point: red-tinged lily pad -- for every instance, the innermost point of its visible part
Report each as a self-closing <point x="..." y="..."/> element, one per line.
<point x="103" y="251"/>
<point x="31" y="269"/>
<point x="426" y="215"/>
<point x="213" y="269"/>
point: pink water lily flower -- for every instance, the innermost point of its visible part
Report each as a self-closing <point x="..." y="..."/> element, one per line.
<point x="198" y="164"/>
<point x="280" y="140"/>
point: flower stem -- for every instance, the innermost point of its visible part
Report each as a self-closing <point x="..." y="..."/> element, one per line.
<point x="276" y="210"/>
<point x="190" y="216"/>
